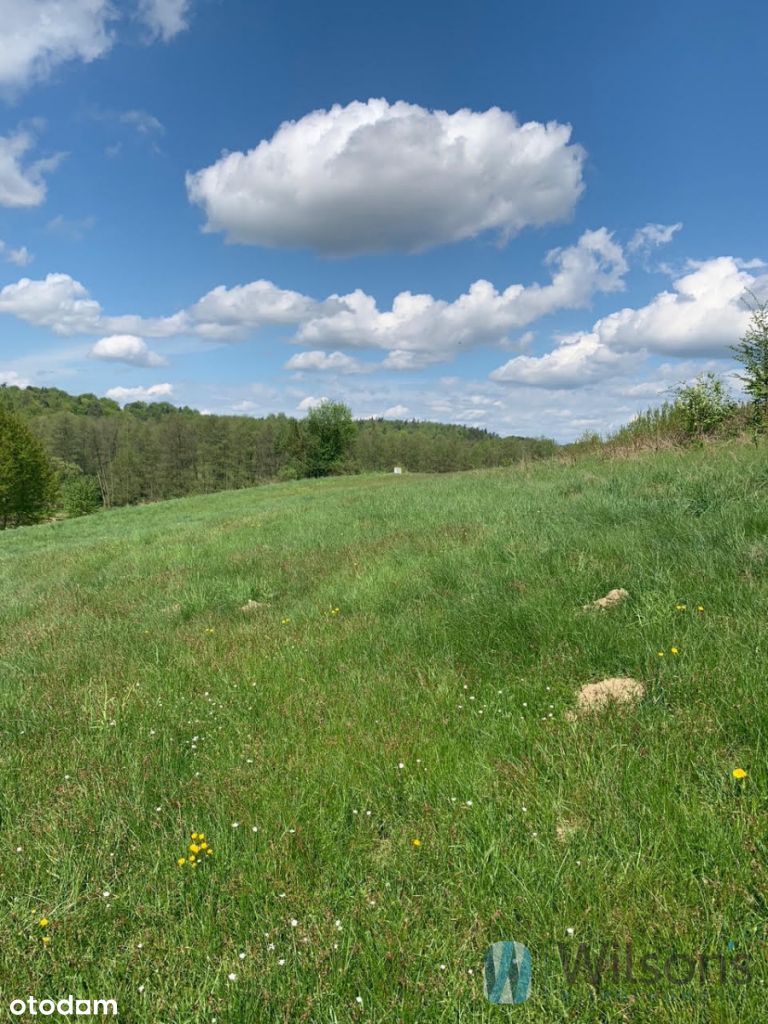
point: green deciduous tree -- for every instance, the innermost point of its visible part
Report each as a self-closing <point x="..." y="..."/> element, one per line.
<point x="323" y="440"/>
<point x="752" y="353"/>
<point x="27" y="479"/>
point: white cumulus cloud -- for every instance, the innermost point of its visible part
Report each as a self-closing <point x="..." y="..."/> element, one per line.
<point x="317" y="360"/>
<point x="378" y="176"/>
<point x="583" y="362"/>
<point x="152" y="393"/>
<point x="58" y="302"/>
<point x="38" y="35"/>
<point x="126" y="348"/>
<point x="225" y="312"/>
<point x="22" y="184"/>
<point x="397" y="412"/>
<point x="420" y="329"/>
<point x="703" y="315"/>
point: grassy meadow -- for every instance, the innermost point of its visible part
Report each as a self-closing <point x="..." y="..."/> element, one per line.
<point x="378" y="752"/>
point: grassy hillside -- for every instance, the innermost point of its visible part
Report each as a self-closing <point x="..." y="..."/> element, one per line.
<point x="404" y="678"/>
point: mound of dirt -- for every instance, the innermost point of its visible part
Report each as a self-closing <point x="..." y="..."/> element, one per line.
<point x="597" y="696"/>
<point x="613" y="597"/>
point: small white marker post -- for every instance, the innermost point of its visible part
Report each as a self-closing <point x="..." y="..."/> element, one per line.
<point x="398" y="471"/>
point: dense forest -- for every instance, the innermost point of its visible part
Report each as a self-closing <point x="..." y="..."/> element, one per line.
<point x="152" y="451"/>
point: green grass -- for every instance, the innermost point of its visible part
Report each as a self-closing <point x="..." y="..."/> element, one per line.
<point x="138" y="703"/>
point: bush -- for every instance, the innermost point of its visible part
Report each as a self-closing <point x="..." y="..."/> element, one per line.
<point x="80" y="496"/>
<point x="704" y="405"/>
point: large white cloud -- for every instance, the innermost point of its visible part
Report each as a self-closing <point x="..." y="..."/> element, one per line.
<point x="420" y="329"/>
<point x="165" y="18"/>
<point x="702" y="316"/>
<point x="57" y="301"/>
<point x="38" y="35"/>
<point x="64" y="305"/>
<point x="126" y="348"/>
<point x="378" y="176"/>
<point x="22" y="184"/>
<point x="225" y="312"/>
<point x="583" y="362"/>
<point x="417" y="331"/>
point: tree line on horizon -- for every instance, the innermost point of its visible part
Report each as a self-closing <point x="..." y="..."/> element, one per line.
<point x="103" y="455"/>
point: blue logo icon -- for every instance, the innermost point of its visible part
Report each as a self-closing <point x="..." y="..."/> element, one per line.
<point x="507" y="973"/>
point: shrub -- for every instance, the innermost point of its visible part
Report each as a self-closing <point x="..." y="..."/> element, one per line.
<point x="80" y="496"/>
<point x="704" y="405"/>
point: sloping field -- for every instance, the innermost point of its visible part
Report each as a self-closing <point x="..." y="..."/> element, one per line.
<point x="377" y="750"/>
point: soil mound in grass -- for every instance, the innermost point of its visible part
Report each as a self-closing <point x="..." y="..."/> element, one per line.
<point x="613" y="597"/>
<point x="618" y="691"/>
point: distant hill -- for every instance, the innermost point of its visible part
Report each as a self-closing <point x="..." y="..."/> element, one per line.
<point x="151" y="451"/>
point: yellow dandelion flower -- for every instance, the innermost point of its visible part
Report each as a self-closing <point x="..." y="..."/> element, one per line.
<point x="681" y="607"/>
<point x="203" y="846"/>
<point x="46" y="940"/>
<point x="209" y="852"/>
<point x="194" y="848"/>
<point x="739" y="774"/>
<point x="194" y="836"/>
<point x="181" y="861"/>
<point x="192" y="858"/>
<point x="674" y="650"/>
<point x="285" y="621"/>
<point x="700" y="608"/>
<point x="43" y="922"/>
<point x="416" y="842"/>
<point x="201" y="835"/>
<point x="661" y="654"/>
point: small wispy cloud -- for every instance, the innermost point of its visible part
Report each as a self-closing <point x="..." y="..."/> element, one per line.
<point x="20" y="257"/>
<point x="143" y="122"/>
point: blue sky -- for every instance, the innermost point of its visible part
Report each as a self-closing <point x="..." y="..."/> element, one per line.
<point x="535" y="218"/>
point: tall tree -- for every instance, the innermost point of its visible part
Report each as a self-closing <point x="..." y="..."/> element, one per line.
<point x="27" y="479"/>
<point x="328" y="431"/>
